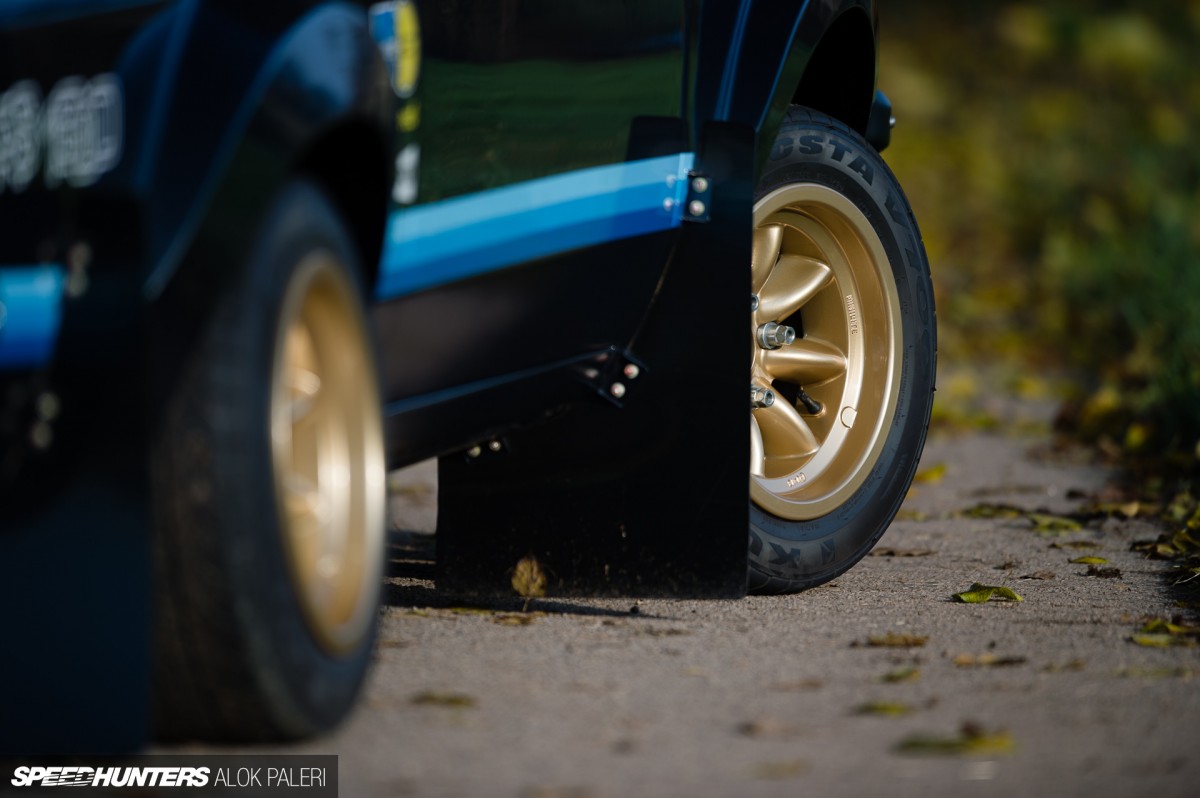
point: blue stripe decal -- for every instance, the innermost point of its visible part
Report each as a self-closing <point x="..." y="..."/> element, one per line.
<point x="463" y="237"/>
<point x="30" y="314"/>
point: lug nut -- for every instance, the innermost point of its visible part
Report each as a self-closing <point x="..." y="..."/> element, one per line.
<point x="696" y="208"/>
<point x="617" y="389"/>
<point x="753" y="302"/>
<point x="761" y="397"/>
<point x="632" y="371"/>
<point x="699" y="185"/>
<point x="773" y="335"/>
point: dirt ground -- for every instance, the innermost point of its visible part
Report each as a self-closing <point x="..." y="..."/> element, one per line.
<point x="803" y="695"/>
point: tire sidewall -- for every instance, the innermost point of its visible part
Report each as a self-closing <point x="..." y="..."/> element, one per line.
<point x="788" y="554"/>
<point x="307" y="689"/>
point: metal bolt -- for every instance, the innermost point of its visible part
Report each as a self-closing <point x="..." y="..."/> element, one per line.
<point x="617" y="389"/>
<point x="495" y="446"/>
<point x="48" y="406"/>
<point x="668" y="204"/>
<point x="79" y="258"/>
<point x="41" y="436"/>
<point x="761" y="397"/>
<point x="474" y="452"/>
<point x="753" y="302"/>
<point x="696" y="208"/>
<point x="700" y="185"/>
<point x="631" y="371"/>
<point x="773" y="335"/>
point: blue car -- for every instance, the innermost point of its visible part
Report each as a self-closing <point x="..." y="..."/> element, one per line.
<point x="256" y="254"/>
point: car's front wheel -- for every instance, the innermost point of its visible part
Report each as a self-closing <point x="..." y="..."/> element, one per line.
<point x="843" y="352"/>
<point x="270" y="495"/>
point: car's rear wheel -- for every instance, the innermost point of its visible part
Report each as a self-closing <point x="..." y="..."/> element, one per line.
<point x="270" y="495"/>
<point x="843" y="350"/>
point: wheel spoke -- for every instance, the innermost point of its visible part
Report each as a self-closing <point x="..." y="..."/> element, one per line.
<point x="767" y="242"/>
<point x="793" y="282"/>
<point x="757" y="454"/>
<point x="304" y="499"/>
<point x="805" y="362"/>
<point x="304" y="387"/>
<point x="785" y="434"/>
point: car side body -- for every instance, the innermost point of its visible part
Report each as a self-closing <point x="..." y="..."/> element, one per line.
<point x="545" y="198"/>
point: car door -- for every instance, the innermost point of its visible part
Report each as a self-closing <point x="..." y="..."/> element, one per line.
<point x="542" y="161"/>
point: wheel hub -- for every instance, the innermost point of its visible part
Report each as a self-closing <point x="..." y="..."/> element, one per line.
<point x="819" y="266"/>
<point x="327" y="448"/>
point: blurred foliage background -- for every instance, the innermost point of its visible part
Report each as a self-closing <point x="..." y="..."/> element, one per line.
<point x="1049" y="151"/>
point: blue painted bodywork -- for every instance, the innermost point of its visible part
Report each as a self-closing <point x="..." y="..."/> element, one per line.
<point x="465" y="237"/>
<point x="30" y="314"/>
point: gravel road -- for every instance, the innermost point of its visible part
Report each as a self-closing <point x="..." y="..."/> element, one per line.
<point x="793" y="695"/>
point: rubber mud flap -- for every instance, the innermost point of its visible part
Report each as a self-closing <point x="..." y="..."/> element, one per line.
<point x="649" y="498"/>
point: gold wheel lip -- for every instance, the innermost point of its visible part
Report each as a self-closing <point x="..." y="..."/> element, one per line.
<point x="791" y="496"/>
<point x="322" y="301"/>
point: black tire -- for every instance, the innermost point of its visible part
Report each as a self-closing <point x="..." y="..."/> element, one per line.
<point x="840" y="413"/>
<point x="267" y="573"/>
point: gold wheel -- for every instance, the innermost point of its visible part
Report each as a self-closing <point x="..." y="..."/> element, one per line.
<point x="827" y="351"/>
<point x="327" y="451"/>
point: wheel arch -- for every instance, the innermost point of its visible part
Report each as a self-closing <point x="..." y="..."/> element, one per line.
<point x="314" y="101"/>
<point x="839" y="77"/>
<point x="821" y="55"/>
<point x="351" y="164"/>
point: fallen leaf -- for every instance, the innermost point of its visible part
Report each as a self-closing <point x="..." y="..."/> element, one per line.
<point x="1089" y="561"/>
<point x="779" y="771"/>
<point x="1128" y="509"/>
<point x="436" y="699"/>
<point x="1102" y="572"/>
<point x="986" y="660"/>
<point x="799" y="685"/>
<point x="932" y="475"/>
<point x="1159" y="626"/>
<point x="1038" y="575"/>
<point x="887" y="551"/>
<point x="891" y="709"/>
<point x="978" y="594"/>
<point x="1073" y="665"/>
<point x="767" y="726"/>
<point x="653" y="631"/>
<point x="988" y="510"/>
<point x="910" y="673"/>
<point x="554" y="791"/>
<point x="528" y="579"/>
<point x="1156" y="673"/>
<point x="1155" y="640"/>
<point x="1159" y="633"/>
<point x="1075" y="544"/>
<point x="911" y="515"/>
<point x="896" y="640"/>
<point x="971" y="740"/>
<point x="1045" y="524"/>
<point x="516" y="618"/>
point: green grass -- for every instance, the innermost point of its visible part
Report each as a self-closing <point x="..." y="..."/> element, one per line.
<point x="1048" y="150"/>
<point x="525" y="119"/>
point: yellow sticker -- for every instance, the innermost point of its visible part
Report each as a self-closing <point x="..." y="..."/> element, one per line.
<point x="408" y="48"/>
